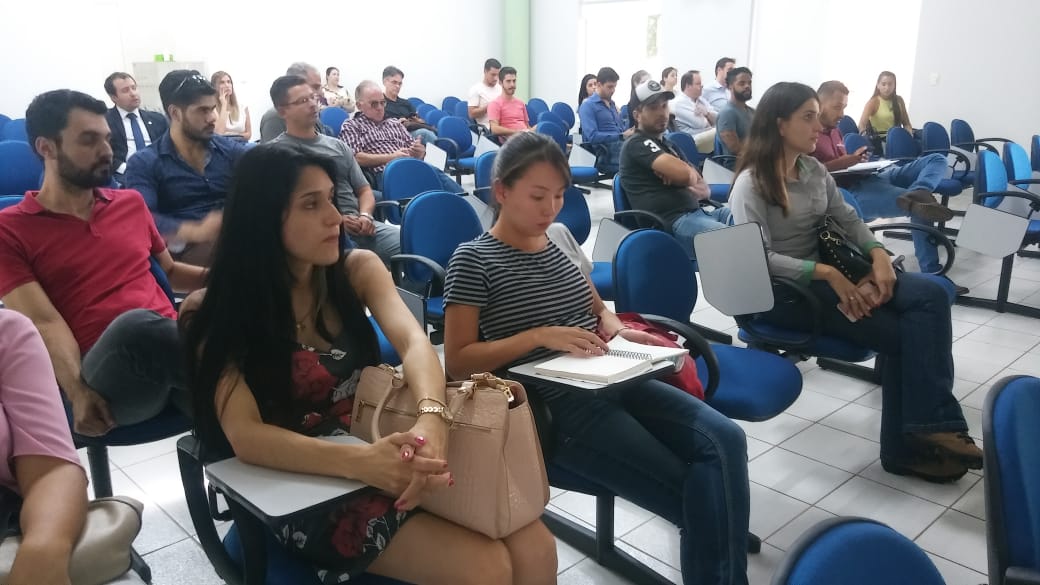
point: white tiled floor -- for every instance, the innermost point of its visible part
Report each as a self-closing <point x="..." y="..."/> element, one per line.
<point x="818" y="459"/>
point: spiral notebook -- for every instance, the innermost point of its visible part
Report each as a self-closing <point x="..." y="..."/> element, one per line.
<point x="624" y="360"/>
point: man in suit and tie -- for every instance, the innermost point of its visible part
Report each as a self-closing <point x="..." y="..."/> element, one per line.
<point x="133" y="129"/>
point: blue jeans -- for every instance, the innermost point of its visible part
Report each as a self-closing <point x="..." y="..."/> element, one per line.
<point x="688" y="225"/>
<point x="385" y="242"/>
<point x="667" y="452"/>
<point x="447" y="183"/>
<point x="877" y="198"/>
<point x="425" y="135"/>
<point x="136" y="366"/>
<point x="914" y="334"/>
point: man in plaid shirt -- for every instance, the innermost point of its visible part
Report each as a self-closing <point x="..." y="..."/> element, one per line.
<point x="376" y="140"/>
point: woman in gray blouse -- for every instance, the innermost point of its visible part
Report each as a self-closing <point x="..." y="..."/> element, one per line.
<point x="905" y="317"/>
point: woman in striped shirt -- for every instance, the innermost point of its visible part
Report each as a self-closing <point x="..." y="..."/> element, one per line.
<point x="513" y="296"/>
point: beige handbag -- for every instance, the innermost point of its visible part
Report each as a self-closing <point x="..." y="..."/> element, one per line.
<point x="493" y="450"/>
<point x="102" y="552"/>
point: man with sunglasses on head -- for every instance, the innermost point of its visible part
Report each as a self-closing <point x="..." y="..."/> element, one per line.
<point x="185" y="176"/>
<point x="377" y="140"/>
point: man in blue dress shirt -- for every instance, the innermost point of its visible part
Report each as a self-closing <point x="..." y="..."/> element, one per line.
<point x="185" y="175"/>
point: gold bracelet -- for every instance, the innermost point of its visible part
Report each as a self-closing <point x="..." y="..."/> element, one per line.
<point x="444" y="413"/>
<point x="618" y="332"/>
<point x="421" y="400"/>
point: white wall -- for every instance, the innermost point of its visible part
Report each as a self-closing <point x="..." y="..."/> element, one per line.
<point x="813" y="41"/>
<point x="695" y="34"/>
<point x="77" y="43"/>
<point x="793" y="40"/>
<point x="555" y="41"/>
<point x="985" y="60"/>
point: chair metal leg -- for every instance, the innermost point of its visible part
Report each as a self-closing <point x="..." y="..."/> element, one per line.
<point x="754" y="543"/>
<point x="139" y="566"/>
<point x="600" y="546"/>
<point x="604" y="518"/>
<point x="1029" y="253"/>
<point x="590" y="544"/>
<point x="100" y="475"/>
<point x="1001" y="303"/>
<point x="857" y="371"/>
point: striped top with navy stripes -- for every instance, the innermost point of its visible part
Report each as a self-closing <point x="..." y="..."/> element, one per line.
<point x="517" y="290"/>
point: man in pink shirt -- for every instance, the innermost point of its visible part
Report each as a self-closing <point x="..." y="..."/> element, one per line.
<point x="508" y="114"/>
<point x="39" y="462"/>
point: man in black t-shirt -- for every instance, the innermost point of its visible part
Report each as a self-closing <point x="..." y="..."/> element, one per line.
<point x="398" y="107"/>
<point x="657" y="179"/>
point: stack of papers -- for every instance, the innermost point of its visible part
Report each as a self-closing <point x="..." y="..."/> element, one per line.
<point x="624" y="360"/>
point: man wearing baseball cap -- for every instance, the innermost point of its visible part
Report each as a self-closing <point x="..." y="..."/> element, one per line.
<point x="657" y="179"/>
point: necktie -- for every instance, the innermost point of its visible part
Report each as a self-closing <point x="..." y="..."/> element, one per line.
<point x="135" y="127"/>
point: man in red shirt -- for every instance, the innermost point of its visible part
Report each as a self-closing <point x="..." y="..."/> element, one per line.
<point x="75" y="258"/>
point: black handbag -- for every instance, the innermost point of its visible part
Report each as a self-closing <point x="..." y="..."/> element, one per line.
<point x="837" y="250"/>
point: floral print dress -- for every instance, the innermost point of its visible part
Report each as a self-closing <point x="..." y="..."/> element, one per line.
<point x="341" y="541"/>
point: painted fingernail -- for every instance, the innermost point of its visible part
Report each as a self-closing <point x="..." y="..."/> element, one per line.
<point x="420" y="441"/>
<point x="404" y="455"/>
<point x="451" y="482"/>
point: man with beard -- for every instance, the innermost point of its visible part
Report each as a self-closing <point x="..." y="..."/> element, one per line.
<point x="735" y="119"/>
<point x="298" y="106"/>
<point x="897" y="191"/>
<point x="184" y="177"/>
<point x="657" y="179"/>
<point x="75" y="258"/>
<point x="507" y="113"/>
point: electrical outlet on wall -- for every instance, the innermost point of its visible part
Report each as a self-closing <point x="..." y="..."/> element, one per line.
<point x="933" y="79"/>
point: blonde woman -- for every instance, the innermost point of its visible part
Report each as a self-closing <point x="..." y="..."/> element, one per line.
<point x="232" y="119"/>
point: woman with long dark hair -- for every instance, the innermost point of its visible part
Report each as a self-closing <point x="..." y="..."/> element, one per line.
<point x="275" y="353"/>
<point x="885" y="109"/>
<point x="904" y="317"/>
<point x="587" y="87"/>
<point x="513" y="296"/>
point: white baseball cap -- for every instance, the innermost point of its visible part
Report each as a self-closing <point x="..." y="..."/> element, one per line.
<point x="650" y="89"/>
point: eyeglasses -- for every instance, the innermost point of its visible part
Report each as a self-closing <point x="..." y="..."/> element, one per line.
<point x="195" y="77"/>
<point x="377" y="104"/>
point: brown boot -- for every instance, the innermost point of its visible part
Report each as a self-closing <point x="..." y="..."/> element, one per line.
<point x="934" y="470"/>
<point x="958" y="446"/>
<point x="920" y="203"/>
